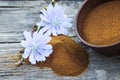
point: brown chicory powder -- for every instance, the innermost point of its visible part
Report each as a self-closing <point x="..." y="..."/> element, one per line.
<point x="102" y="24"/>
<point x="68" y="57"/>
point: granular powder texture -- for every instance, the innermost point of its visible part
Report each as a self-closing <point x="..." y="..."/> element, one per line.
<point x="68" y="57"/>
<point x="102" y="25"/>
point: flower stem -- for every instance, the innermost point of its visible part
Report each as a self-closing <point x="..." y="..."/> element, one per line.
<point x="45" y="7"/>
<point x="19" y="62"/>
<point x="38" y="27"/>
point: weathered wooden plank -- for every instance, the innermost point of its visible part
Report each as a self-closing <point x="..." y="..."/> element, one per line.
<point x="95" y="69"/>
<point x="10" y="48"/>
<point x="17" y="16"/>
<point x="22" y="3"/>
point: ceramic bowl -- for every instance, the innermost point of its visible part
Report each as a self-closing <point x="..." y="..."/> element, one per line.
<point x="88" y="5"/>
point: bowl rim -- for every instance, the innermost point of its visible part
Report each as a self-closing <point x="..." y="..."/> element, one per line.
<point x="82" y="40"/>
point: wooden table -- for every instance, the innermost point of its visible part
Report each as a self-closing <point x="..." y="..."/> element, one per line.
<point x="17" y="16"/>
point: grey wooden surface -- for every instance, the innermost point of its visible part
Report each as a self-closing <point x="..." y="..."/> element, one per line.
<point x="17" y="16"/>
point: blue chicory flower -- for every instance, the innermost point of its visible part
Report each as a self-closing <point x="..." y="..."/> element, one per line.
<point x="54" y="20"/>
<point x="36" y="46"/>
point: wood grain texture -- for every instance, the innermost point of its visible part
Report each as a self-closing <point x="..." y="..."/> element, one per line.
<point x="17" y="16"/>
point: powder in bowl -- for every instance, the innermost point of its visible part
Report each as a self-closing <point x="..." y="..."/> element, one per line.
<point x="102" y="24"/>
